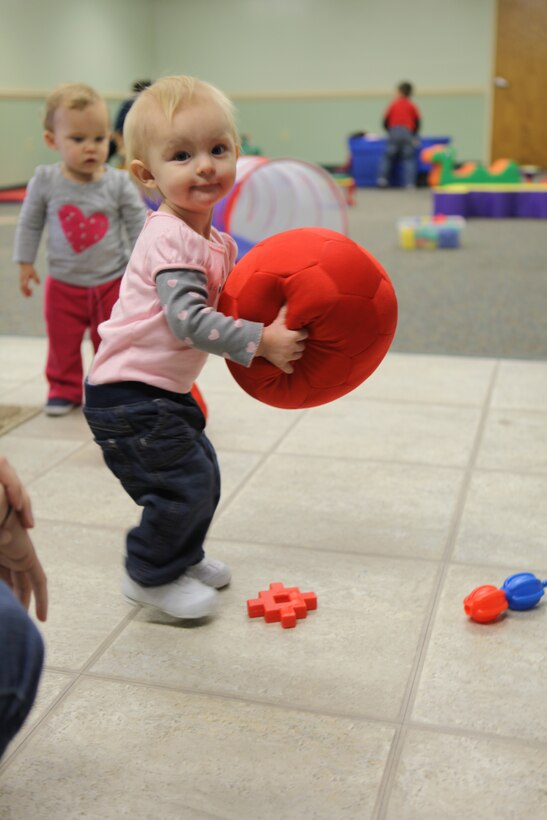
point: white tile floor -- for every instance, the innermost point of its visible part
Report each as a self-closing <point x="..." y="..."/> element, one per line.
<point x="391" y="504"/>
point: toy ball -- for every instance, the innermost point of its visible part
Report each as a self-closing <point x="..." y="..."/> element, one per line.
<point x="523" y="590"/>
<point x="485" y="604"/>
<point x="332" y="287"/>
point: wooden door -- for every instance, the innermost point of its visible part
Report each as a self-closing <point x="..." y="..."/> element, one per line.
<point x="519" y="124"/>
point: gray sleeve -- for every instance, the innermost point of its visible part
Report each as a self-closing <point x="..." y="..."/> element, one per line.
<point x="184" y="295"/>
<point x="30" y="224"/>
<point x="132" y="208"/>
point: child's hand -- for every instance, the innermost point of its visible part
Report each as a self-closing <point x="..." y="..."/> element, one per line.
<point x="27" y="274"/>
<point x="281" y="346"/>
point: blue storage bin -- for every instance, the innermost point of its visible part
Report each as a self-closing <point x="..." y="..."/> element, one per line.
<point x="366" y="153"/>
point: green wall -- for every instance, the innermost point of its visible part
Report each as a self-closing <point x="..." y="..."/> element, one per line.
<point x="101" y="42"/>
<point x="317" y="130"/>
<point x="22" y="147"/>
<point x="304" y="74"/>
<point x="273" y="45"/>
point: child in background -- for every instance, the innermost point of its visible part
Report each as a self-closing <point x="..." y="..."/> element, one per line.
<point x="402" y="122"/>
<point x="181" y="142"/>
<point x="116" y="145"/>
<point x="86" y="205"/>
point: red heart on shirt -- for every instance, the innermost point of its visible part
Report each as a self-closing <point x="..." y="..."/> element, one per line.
<point x="82" y="231"/>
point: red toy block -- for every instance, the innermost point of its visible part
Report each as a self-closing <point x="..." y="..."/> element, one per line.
<point x="280" y="603"/>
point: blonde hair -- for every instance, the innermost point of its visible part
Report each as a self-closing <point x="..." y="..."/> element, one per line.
<point x="167" y="95"/>
<point x="74" y="96"/>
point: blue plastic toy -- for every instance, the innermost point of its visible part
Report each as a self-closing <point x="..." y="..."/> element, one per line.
<point x="518" y="592"/>
<point x="523" y="590"/>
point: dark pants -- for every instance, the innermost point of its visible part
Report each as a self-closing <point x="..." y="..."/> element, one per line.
<point x="153" y="442"/>
<point x="21" y="660"/>
<point x="400" y="143"/>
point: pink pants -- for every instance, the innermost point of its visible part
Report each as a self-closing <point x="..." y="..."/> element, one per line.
<point x="69" y="311"/>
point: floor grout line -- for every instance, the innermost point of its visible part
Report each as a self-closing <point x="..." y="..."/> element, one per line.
<point x="403" y="723"/>
<point x="61" y="697"/>
<point x="407" y="704"/>
<point x="401" y="729"/>
<point x="85" y="673"/>
<point x="263" y="457"/>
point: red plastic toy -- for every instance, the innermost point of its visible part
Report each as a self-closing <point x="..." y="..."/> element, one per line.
<point x="331" y="286"/>
<point x="196" y="393"/>
<point x="485" y="604"/>
<point x="280" y="603"/>
<point x="519" y="592"/>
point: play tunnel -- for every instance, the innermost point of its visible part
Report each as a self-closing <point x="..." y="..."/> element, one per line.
<point x="275" y="195"/>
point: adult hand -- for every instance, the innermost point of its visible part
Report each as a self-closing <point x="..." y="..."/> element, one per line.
<point x="16" y="494"/>
<point x="20" y="567"/>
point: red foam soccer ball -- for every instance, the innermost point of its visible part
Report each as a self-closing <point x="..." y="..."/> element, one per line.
<point x="332" y="287"/>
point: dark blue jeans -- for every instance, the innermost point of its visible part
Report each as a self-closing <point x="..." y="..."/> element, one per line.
<point x="153" y="442"/>
<point x="21" y="661"/>
<point x="400" y="143"/>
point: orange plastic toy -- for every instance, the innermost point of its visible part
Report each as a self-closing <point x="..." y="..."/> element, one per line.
<point x="485" y="604"/>
<point x="280" y="603"/>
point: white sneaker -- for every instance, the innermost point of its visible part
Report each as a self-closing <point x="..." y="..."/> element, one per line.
<point x="184" y="598"/>
<point x="211" y="572"/>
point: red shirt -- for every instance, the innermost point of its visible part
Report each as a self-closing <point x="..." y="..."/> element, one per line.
<point x="402" y="112"/>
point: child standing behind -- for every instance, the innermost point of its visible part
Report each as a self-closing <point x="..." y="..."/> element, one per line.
<point x="181" y="142"/>
<point x="402" y="122"/>
<point x="85" y="205"/>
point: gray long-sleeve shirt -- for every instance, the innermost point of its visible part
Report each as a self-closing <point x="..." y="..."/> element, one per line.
<point x="91" y="226"/>
<point x="183" y="294"/>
